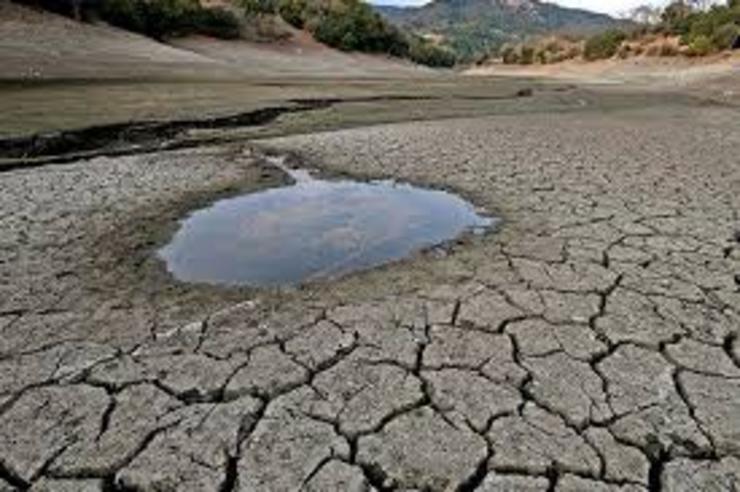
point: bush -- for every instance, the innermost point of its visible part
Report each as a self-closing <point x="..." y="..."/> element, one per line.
<point x="352" y="25"/>
<point x="425" y="53"/>
<point x="676" y="17"/>
<point x="553" y="49"/>
<point x="624" y="51"/>
<point x="707" y="31"/>
<point x="259" y="7"/>
<point x="701" y="32"/>
<point x="526" y="55"/>
<point x="215" y="22"/>
<point x="604" y="45"/>
<point x="293" y="12"/>
<point x="127" y="14"/>
<point x="358" y="28"/>
<point x="509" y="54"/>
<point x="724" y="37"/>
<point x="542" y="56"/>
<point x="700" y="46"/>
<point x="154" y="18"/>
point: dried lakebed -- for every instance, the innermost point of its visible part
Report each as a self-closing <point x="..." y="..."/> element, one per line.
<point x="314" y="230"/>
<point x="591" y="344"/>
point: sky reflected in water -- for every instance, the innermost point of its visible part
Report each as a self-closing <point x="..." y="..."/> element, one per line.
<point x="313" y="230"/>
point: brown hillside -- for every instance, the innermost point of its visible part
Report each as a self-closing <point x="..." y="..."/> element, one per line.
<point x="39" y="45"/>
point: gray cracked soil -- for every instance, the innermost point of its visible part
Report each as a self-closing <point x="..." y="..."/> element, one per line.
<point x="591" y="344"/>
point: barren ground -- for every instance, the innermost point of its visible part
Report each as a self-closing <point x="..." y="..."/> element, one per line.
<point x="590" y="344"/>
<point x="716" y="76"/>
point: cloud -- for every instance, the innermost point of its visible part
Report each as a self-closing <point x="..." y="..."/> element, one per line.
<point x="400" y="3"/>
<point x="612" y="7"/>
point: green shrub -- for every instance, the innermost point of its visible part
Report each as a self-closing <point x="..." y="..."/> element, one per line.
<point x="215" y="22"/>
<point x="701" y="45"/>
<point x="542" y="56"/>
<point x="343" y="30"/>
<point x="676" y="17"/>
<point x="624" y="51"/>
<point x="357" y="28"/>
<point x="724" y="36"/>
<point x="63" y="7"/>
<point x="293" y="12"/>
<point x="542" y="51"/>
<point x="508" y="53"/>
<point x="426" y="53"/>
<point x="526" y="55"/>
<point x="352" y="25"/>
<point x="155" y="18"/>
<point x="704" y="31"/>
<point x="127" y="14"/>
<point x="259" y="7"/>
<point x="604" y="45"/>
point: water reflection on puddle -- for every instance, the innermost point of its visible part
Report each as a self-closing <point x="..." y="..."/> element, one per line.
<point x="312" y="230"/>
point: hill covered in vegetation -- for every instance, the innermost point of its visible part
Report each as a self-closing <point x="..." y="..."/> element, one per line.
<point x="474" y="27"/>
<point x="681" y="29"/>
<point x="348" y="25"/>
<point x="352" y="25"/>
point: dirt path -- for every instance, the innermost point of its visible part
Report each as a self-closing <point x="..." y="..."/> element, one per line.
<point x="591" y="344"/>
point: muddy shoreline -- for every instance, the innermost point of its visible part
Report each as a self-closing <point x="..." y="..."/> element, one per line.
<point x="131" y="245"/>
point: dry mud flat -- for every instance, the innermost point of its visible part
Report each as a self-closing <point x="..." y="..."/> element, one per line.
<point x="591" y="344"/>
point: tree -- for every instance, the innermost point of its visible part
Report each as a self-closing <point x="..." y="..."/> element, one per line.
<point x="676" y="17"/>
<point x="603" y="45"/>
<point x="259" y="7"/>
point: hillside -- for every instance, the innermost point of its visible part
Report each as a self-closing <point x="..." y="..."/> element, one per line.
<point x="37" y="45"/>
<point x="472" y="27"/>
<point x="347" y="25"/>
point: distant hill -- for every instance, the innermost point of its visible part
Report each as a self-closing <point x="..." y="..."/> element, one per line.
<point x="473" y="27"/>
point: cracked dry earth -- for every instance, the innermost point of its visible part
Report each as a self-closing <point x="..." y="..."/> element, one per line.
<point x="591" y="344"/>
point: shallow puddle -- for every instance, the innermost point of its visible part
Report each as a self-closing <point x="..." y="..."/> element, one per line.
<point x="314" y="229"/>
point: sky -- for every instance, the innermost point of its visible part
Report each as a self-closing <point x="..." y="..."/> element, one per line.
<point x="613" y="7"/>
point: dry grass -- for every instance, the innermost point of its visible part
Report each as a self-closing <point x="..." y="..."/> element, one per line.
<point x="653" y="45"/>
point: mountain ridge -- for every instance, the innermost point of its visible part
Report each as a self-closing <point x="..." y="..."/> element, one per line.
<point x="473" y="27"/>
